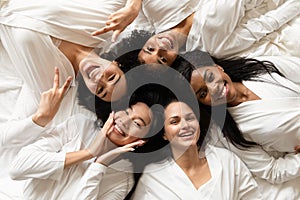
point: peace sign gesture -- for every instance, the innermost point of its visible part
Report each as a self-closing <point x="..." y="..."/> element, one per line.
<point x="50" y="101"/>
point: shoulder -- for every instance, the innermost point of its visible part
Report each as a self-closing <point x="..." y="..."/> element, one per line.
<point x="158" y="167"/>
<point x="222" y="154"/>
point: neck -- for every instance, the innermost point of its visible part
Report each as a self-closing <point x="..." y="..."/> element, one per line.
<point x="242" y="94"/>
<point x="182" y="29"/>
<point x="184" y="26"/>
<point x="187" y="159"/>
<point x="75" y="53"/>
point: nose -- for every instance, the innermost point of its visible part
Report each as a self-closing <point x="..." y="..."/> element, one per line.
<point x="184" y="124"/>
<point x="97" y="78"/>
<point x="213" y="89"/>
<point x="125" y="121"/>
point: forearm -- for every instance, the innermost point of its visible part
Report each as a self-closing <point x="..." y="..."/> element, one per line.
<point x="19" y="132"/>
<point x="73" y="158"/>
<point x="134" y="4"/>
<point x="37" y="164"/>
<point x="273" y="170"/>
<point x="237" y="36"/>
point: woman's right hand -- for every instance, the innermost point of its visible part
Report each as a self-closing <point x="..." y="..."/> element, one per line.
<point x="96" y="147"/>
<point x="50" y="101"/>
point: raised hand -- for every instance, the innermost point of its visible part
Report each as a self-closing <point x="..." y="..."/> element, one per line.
<point x="96" y="147"/>
<point x="106" y="158"/>
<point x="119" y="20"/>
<point x="50" y="101"/>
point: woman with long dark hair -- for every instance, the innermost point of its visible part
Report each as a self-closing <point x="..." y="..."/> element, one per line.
<point x="263" y="104"/>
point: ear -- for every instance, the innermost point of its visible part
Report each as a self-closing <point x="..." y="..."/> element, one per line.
<point x="164" y="137"/>
<point x="220" y="68"/>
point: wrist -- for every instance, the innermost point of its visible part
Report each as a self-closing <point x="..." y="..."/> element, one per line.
<point x="88" y="154"/>
<point x="134" y="5"/>
<point x="39" y="119"/>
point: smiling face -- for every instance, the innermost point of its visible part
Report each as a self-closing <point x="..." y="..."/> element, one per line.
<point x="161" y="48"/>
<point x="181" y="126"/>
<point x="131" y="124"/>
<point x="102" y="76"/>
<point x="212" y="86"/>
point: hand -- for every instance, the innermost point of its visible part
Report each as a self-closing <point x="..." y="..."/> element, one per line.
<point x="50" y="101"/>
<point x="297" y="149"/>
<point x="118" y="21"/>
<point x="97" y="146"/>
<point x="106" y="158"/>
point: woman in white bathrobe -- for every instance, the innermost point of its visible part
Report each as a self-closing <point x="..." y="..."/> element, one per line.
<point x="264" y="106"/>
<point x="223" y="28"/>
<point x="79" y="160"/>
<point x="35" y="37"/>
<point x="215" y="173"/>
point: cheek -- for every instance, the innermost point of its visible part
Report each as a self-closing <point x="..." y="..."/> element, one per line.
<point x="138" y="133"/>
<point x="207" y="100"/>
<point x="171" y="132"/>
<point x="91" y="86"/>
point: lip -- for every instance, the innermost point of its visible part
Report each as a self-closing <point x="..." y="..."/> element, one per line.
<point x="224" y="92"/>
<point x="186" y="134"/>
<point x="119" y="130"/>
<point x="167" y="42"/>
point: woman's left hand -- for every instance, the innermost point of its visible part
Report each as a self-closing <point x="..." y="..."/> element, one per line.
<point x="106" y="158"/>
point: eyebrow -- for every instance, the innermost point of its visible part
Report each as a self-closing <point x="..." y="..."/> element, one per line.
<point x="146" y="51"/>
<point x="144" y="123"/>
<point x="117" y="80"/>
<point x="174" y="117"/>
<point x="104" y="95"/>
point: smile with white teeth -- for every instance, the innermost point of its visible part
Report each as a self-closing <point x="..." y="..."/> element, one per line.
<point x="186" y="134"/>
<point x="224" y="92"/>
<point x="166" y="42"/>
<point x="93" y="72"/>
<point x="119" y="130"/>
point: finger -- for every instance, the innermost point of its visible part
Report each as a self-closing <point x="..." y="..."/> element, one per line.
<point x="110" y="119"/>
<point x="66" y="84"/>
<point x="110" y="21"/>
<point x="115" y="35"/>
<point x="102" y="30"/>
<point x="108" y="126"/>
<point x="56" y="78"/>
<point x="133" y="144"/>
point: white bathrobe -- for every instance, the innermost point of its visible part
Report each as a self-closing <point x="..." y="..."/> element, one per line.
<point x="273" y="123"/>
<point x="230" y="179"/>
<point x="41" y="164"/>
<point x="230" y="28"/>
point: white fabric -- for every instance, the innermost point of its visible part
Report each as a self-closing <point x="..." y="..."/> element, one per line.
<point x="163" y="15"/>
<point x="276" y="174"/>
<point x="279" y="112"/>
<point x="272" y="122"/>
<point x="229" y="28"/>
<point x="224" y="29"/>
<point x="28" y="56"/>
<point x="42" y="164"/>
<point x="73" y="20"/>
<point x="230" y="180"/>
